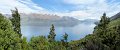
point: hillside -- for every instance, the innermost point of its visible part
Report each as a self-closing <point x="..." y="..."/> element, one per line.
<point x="106" y="36"/>
<point x="115" y="20"/>
<point x="115" y="16"/>
<point x="114" y="23"/>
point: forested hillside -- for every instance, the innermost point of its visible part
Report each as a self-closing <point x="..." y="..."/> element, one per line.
<point x="106" y="36"/>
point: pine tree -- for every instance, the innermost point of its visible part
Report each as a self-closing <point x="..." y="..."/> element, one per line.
<point x="104" y="21"/>
<point x="51" y="36"/>
<point x="101" y="28"/>
<point x="101" y="31"/>
<point x="16" y="21"/>
<point x="64" y="40"/>
<point x="65" y="36"/>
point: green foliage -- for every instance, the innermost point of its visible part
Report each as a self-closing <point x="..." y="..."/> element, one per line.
<point x="65" y="37"/>
<point x="64" y="40"/>
<point x="101" y="27"/>
<point x="57" y="45"/>
<point x="9" y="40"/>
<point x="4" y="23"/>
<point x="106" y="36"/>
<point x="24" y="44"/>
<point x="39" y="43"/>
<point x="51" y="36"/>
<point x="114" y="23"/>
<point x="16" y="21"/>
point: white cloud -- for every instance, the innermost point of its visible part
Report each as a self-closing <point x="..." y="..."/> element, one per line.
<point x="93" y="8"/>
<point x="75" y="14"/>
<point x="84" y="9"/>
<point x="79" y="1"/>
<point x="24" y="6"/>
<point x="31" y="4"/>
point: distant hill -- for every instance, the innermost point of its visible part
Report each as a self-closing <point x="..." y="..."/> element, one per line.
<point x="89" y="21"/>
<point x="115" y="20"/>
<point x="40" y="16"/>
<point x="48" y="19"/>
<point x="115" y="16"/>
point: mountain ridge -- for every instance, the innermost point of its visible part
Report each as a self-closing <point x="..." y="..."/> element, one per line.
<point x="48" y="19"/>
<point x="115" y="16"/>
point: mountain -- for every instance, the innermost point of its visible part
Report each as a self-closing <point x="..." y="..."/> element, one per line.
<point x="89" y="21"/>
<point x="34" y="19"/>
<point x="47" y="20"/>
<point x="115" y="16"/>
<point x="40" y="16"/>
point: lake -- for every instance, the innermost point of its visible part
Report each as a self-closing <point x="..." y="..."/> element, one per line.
<point x="75" y="32"/>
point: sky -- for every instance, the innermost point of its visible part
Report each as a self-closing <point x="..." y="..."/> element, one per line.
<point x="80" y="9"/>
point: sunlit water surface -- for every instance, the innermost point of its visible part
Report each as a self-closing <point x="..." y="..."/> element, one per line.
<point x="75" y="32"/>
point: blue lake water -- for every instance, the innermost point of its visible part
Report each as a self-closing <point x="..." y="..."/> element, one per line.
<point x="75" y="32"/>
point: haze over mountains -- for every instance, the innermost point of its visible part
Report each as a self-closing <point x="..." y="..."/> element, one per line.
<point x="40" y="16"/>
<point x="34" y="19"/>
<point x="48" y="19"/>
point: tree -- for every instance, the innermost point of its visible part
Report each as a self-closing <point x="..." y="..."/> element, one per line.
<point x="104" y="21"/>
<point x="39" y="43"/>
<point x="65" y="36"/>
<point x="107" y="34"/>
<point x="64" y="40"/>
<point x="16" y="21"/>
<point x="51" y="36"/>
<point x="9" y="40"/>
<point x="112" y="38"/>
<point x="95" y="41"/>
<point x="4" y="23"/>
<point x="24" y="44"/>
<point x="101" y="28"/>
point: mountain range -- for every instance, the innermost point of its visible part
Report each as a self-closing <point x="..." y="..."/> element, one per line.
<point x="34" y="19"/>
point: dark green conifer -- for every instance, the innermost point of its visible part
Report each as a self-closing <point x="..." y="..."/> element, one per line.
<point x="16" y="21"/>
<point x="65" y="36"/>
<point x="51" y="36"/>
<point x="101" y="28"/>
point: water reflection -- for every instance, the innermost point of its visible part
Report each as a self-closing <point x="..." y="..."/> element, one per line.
<point x="75" y="32"/>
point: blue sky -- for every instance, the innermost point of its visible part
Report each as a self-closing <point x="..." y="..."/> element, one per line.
<point x="55" y="5"/>
<point x="80" y="9"/>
